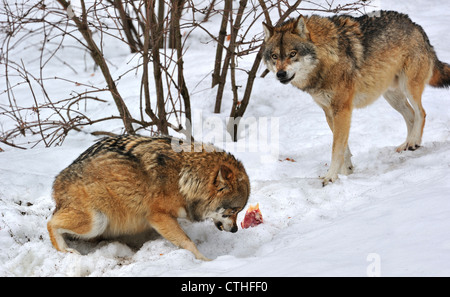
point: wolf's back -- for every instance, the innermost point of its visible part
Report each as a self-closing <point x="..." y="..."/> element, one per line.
<point x="123" y="145"/>
<point x="394" y="25"/>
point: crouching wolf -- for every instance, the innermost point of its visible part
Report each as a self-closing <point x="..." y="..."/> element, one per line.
<point x="128" y="184"/>
<point x="345" y="62"/>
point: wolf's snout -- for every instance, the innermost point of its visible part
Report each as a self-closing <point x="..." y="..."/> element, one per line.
<point x="233" y="228"/>
<point x="281" y="75"/>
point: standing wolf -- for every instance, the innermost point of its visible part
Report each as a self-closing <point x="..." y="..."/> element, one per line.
<point x="128" y="184"/>
<point x="345" y="62"/>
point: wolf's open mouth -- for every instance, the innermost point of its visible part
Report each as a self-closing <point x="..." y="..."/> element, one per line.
<point x="219" y="226"/>
<point x="287" y="80"/>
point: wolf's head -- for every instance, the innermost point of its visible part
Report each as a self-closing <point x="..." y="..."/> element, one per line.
<point x="232" y="192"/>
<point x="289" y="51"/>
<point x="218" y="194"/>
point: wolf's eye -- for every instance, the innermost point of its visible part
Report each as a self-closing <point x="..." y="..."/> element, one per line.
<point x="274" y="56"/>
<point x="292" y="54"/>
<point x="225" y="216"/>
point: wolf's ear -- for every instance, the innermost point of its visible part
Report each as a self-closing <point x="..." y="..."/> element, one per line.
<point x="300" y="27"/>
<point x="268" y="31"/>
<point x="224" y="176"/>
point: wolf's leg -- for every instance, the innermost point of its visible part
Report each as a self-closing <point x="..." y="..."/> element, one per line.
<point x="397" y="99"/>
<point x="341" y="129"/>
<point x="415" y="90"/>
<point x="347" y="166"/>
<point x="77" y="223"/>
<point x="169" y="228"/>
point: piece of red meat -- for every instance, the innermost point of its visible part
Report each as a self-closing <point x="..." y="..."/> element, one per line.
<point x="253" y="217"/>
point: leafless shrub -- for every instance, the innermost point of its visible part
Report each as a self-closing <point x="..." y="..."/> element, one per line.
<point x="151" y="30"/>
<point x="142" y="26"/>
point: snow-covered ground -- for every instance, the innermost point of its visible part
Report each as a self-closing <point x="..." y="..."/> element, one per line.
<point x="391" y="217"/>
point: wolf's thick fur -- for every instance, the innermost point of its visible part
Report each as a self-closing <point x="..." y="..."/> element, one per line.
<point x="127" y="184"/>
<point x="346" y="62"/>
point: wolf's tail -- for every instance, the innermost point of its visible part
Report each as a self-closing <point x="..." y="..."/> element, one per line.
<point x="441" y="75"/>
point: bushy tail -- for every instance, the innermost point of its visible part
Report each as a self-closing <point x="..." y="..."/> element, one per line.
<point x="441" y="75"/>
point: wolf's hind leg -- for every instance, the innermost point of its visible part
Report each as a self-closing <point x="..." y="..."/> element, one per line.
<point x="397" y="99"/>
<point x="77" y="223"/>
<point x="415" y="89"/>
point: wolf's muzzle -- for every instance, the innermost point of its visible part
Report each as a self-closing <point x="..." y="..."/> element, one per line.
<point x="281" y="74"/>
<point x="283" y="78"/>
<point x="219" y="226"/>
<point x="233" y="229"/>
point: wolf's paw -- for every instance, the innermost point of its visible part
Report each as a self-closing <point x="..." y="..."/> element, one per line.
<point x="408" y="147"/>
<point x="329" y="179"/>
<point x="72" y="251"/>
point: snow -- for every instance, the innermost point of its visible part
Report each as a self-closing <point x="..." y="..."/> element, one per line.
<point x="391" y="217"/>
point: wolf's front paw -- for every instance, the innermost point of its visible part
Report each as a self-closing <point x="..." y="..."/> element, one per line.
<point x="408" y="146"/>
<point x="329" y="178"/>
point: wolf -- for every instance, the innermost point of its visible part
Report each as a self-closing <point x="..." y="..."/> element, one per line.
<point x="347" y="62"/>
<point x="128" y="184"/>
